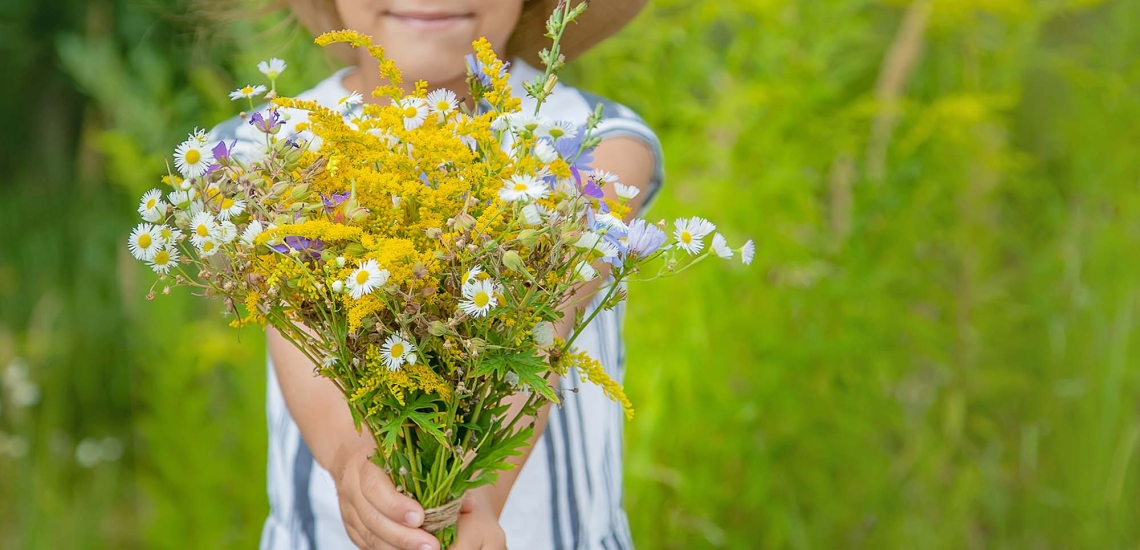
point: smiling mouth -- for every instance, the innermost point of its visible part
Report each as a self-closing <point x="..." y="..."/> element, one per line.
<point x="429" y="20"/>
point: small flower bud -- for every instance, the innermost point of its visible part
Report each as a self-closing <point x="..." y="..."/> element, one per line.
<point x="340" y="261"/>
<point x="512" y="261"/>
<point x="338" y="286"/>
<point x="437" y="328"/>
<point x="300" y="192"/>
<point x="465" y="221"/>
<point x="527" y="237"/>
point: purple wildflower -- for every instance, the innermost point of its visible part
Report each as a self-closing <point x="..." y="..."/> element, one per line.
<point x="311" y="247"/>
<point x="644" y="238"/>
<point x="221" y="152"/>
<point x="266" y="125"/>
<point x="335" y="200"/>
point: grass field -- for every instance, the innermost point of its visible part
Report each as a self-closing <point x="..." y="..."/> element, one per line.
<point x="934" y="348"/>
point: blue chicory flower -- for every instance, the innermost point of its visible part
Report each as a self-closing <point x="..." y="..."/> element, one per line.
<point x="570" y="149"/>
<point x="644" y="238"/>
<point x="475" y="67"/>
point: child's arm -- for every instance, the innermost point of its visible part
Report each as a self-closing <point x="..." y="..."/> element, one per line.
<point x="374" y="514"/>
<point x="632" y="162"/>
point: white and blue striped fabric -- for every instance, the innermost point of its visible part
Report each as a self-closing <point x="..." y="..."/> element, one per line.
<point x="569" y="493"/>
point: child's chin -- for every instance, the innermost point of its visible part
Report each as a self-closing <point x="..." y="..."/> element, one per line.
<point x="435" y="64"/>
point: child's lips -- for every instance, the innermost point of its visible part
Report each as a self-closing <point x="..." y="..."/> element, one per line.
<point x="430" y="20"/>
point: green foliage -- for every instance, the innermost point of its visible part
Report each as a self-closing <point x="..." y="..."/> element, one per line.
<point x="933" y="348"/>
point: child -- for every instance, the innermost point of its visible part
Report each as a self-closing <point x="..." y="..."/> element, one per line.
<point x="324" y="492"/>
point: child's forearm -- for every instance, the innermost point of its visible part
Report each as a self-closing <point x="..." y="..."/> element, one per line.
<point x="315" y="403"/>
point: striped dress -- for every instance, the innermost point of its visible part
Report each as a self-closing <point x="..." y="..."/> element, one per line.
<point x="569" y="493"/>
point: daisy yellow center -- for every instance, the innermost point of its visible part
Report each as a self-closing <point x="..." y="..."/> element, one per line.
<point x="144" y="240"/>
<point x="410" y="112"/>
<point x="162" y="257"/>
<point x="166" y="234"/>
<point x="481" y="299"/>
<point x="556" y="132"/>
<point x="361" y="277"/>
<point x="202" y="230"/>
<point x="227" y="203"/>
<point x="686" y="237"/>
<point x="520" y="187"/>
<point x="207" y="246"/>
<point x="150" y="204"/>
<point x="442" y="105"/>
<point x="193" y="156"/>
<point x="397" y="350"/>
<point x="247" y="90"/>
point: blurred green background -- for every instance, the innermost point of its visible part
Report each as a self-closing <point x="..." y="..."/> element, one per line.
<point x="936" y="347"/>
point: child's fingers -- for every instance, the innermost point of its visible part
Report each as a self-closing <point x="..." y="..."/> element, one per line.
<point x="382" y="495"/>
<point x="395" y="534"/>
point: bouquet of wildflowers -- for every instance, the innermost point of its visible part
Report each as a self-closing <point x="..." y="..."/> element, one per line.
<point x="418" y="255"/>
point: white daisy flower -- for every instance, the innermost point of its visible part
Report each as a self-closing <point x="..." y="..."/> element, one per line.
<point x="169" y="235"/>
<point x="523" y="188"/>
<point x="532" y="214"/>
<point x="501" y="122"/>
<point x="230" y="208"/>
<point x="247" y="92"/>
<point x="208" y="248"/>
<point x="252" y="230"/>
<point x="592" y="241"/>
<point x="720" y="246"/>
<point x="545" y="152"/>
<point x="690" y="233"/>
<point x="352" y="100"/>
<point x="272" y="68"/>
<point x="472" y="274"/>
<point x="179" y="198"/>
<point x="152" y="207"/>
<point x="442" y="101"/>
<point x="414" y="110"/>
<point x="367" y="278"/>
<point x="602" y="177"/>
<point x="479" y="298"/>
<point x="396" y="201"/>
<point x="144" y="241"/>
<point x="227" y="232"/>
<point x="747" y="252"/>
<point x="557" y="130"/>
<point x="585" y="271"/>
<point x="163" y="259"/>
<point x="192" y="158"/>
<point x="626" y="191"/>
<point x="566" y="188"/>
<point x="530" y="123"/>
<point x="608" y="219"/>
<point x="203" y="226"/>
<point x="395" y="351"/>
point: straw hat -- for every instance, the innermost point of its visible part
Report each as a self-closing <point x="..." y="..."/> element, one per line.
<point x="600" y="21"/>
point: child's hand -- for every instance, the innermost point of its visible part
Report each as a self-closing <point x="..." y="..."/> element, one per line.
<point x="375" y="515"/>
<point x="478" y="527"/>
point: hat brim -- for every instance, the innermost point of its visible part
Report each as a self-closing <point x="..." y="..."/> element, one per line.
<point x="600" y="21"/>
